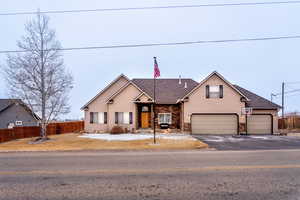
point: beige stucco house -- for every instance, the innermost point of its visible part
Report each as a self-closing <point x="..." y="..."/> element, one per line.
<point x="212" y="106"/>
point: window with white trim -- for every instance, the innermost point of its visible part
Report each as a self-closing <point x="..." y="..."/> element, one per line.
<point x="94" y="117"/>
<point x="123" y="117"/>
<point x="164" y="118"/>
<point x="19" y="123"/>
<point x="102" y="116"/>
<point x="98" y="117"/>
<point x="214" y="91"/>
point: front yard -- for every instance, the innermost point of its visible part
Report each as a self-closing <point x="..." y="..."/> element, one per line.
<point x="72" y="141"/>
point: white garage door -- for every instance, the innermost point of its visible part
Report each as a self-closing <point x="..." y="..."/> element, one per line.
<point x="214" y="124"/>
<point x="259" y="124"/>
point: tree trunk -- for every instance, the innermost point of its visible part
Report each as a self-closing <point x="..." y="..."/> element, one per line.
<point x="43" y="131"/>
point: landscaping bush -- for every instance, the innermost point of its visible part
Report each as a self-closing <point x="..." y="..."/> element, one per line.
<point x="117" y="130"/>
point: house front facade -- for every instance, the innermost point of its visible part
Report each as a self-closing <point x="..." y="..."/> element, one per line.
<point x="212" y="106"/>
<point x="14" y="112"/>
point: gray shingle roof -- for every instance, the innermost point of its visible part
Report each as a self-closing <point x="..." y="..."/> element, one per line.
<point x="257" y="102"/>
<point x="4" y="103"/>
<point x="168" y="91"/>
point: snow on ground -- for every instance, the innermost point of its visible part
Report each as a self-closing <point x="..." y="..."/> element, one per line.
<point x="227" y="138"/>
<point x="130" y="137"/>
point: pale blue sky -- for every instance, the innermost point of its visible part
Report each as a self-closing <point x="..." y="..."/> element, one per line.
<point x="257" y="66"/>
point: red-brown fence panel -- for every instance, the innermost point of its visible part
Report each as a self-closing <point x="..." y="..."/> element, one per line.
<point x="51" y="129"/>
<point x="291" y="122"/>
<point x="69" y="127"/>
<point x="297" y="122"/>
<point x="5" y="135"/>
<point x="34" y="131"/>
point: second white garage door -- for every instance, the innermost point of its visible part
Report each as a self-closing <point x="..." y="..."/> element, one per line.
<point x="214" y="124"/>
<point x="259" y="124"/>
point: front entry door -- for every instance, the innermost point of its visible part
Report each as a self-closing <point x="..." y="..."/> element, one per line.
<point x="145" y="120"/>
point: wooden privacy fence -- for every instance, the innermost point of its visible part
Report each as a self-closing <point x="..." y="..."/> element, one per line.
<point x="34" y="131"/>
<point x="292" y="122"/>
<point x="65" y="127"/>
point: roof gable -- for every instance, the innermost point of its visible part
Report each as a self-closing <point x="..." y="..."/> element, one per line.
<point x="222" y="78"/>
<point x="6" y="103"/>
<point x="105" y="89"/>
<point x="143" y="97"/>
<point x="123" y="88"/>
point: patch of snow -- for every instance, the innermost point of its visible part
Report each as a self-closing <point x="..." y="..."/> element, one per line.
<point x="215" y="139"/>
<point x="236" y="139"/>
<point x="222" y="139"/>
<point x="260" y="137"/>
<point x="130" y="137"/>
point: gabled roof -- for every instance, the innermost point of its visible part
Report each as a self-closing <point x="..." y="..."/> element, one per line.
<point x="101" y="92"/>
<point x="122" y="88"/>
<point x="221" y="77"/>
<point x="168" y="91"/>
<point x="257" y="102"/>
<point x="6" y="103"/>
<point x="142" y="94"/>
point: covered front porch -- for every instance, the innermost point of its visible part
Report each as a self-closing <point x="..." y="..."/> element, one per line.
<point x="168" y="114"/>
<point x="145" y="114"/>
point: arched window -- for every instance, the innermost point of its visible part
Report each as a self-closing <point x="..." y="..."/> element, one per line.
<point x="145" y="109"/>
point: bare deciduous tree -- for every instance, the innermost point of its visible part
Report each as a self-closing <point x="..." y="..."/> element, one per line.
<point x="38" y="76"/>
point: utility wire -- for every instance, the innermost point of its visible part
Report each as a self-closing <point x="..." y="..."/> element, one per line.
<point x="292" y="95"/>
<point x="150" y="8"/>
<point x="287" y="92"/>
<point x="160" y="44"/>
<point x="294" y="82"/>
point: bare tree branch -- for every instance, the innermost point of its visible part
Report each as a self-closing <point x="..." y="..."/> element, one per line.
<point x="39" y="76"/>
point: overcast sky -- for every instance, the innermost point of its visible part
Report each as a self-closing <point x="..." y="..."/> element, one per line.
<point x="258" y="66"/>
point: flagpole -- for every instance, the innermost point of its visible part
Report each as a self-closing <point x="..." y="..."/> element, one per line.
<point x="154" y="96"/>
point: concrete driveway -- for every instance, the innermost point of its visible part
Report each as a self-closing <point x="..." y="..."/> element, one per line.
<point x="254" y="142"/>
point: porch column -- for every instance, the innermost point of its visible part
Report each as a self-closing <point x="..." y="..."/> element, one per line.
<point x="136" y="117"/>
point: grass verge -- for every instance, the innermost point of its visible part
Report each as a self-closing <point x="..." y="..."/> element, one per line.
<point x="71" y="141"/>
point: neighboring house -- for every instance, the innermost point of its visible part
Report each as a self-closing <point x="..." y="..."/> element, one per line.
<point x="213" y="106"/>
<point x="13" y="112"/>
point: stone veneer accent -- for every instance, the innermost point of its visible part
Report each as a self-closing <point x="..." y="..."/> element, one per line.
<point x="242" y="128"/>
<point x="187" y="127"/>
<point x="174" y="109"/>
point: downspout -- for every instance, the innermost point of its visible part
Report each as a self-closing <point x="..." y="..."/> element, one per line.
<point x="108" y="116"/>
<point x="182" y="118"/>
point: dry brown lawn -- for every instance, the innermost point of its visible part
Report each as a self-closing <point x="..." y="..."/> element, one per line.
<point x="71" y="141"/>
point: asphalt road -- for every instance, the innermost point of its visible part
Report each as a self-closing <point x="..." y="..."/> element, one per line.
<point x="251" y="142"/>
<point x="151" y="175"/>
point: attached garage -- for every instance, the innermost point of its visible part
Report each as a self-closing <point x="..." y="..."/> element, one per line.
<point x="260" y="124"/>
<point x="214" y="123"/>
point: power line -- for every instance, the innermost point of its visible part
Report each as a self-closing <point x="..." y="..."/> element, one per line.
<point x="292" y="91"/>
<point x="287" y="92"/>
<point x="150" y="8"/>
<point x="294" y="82"/>
<point x="292" y="95"/>
<point x="161" y="44"/>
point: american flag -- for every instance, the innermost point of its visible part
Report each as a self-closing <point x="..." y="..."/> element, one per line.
<point x="156" y="69"/>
